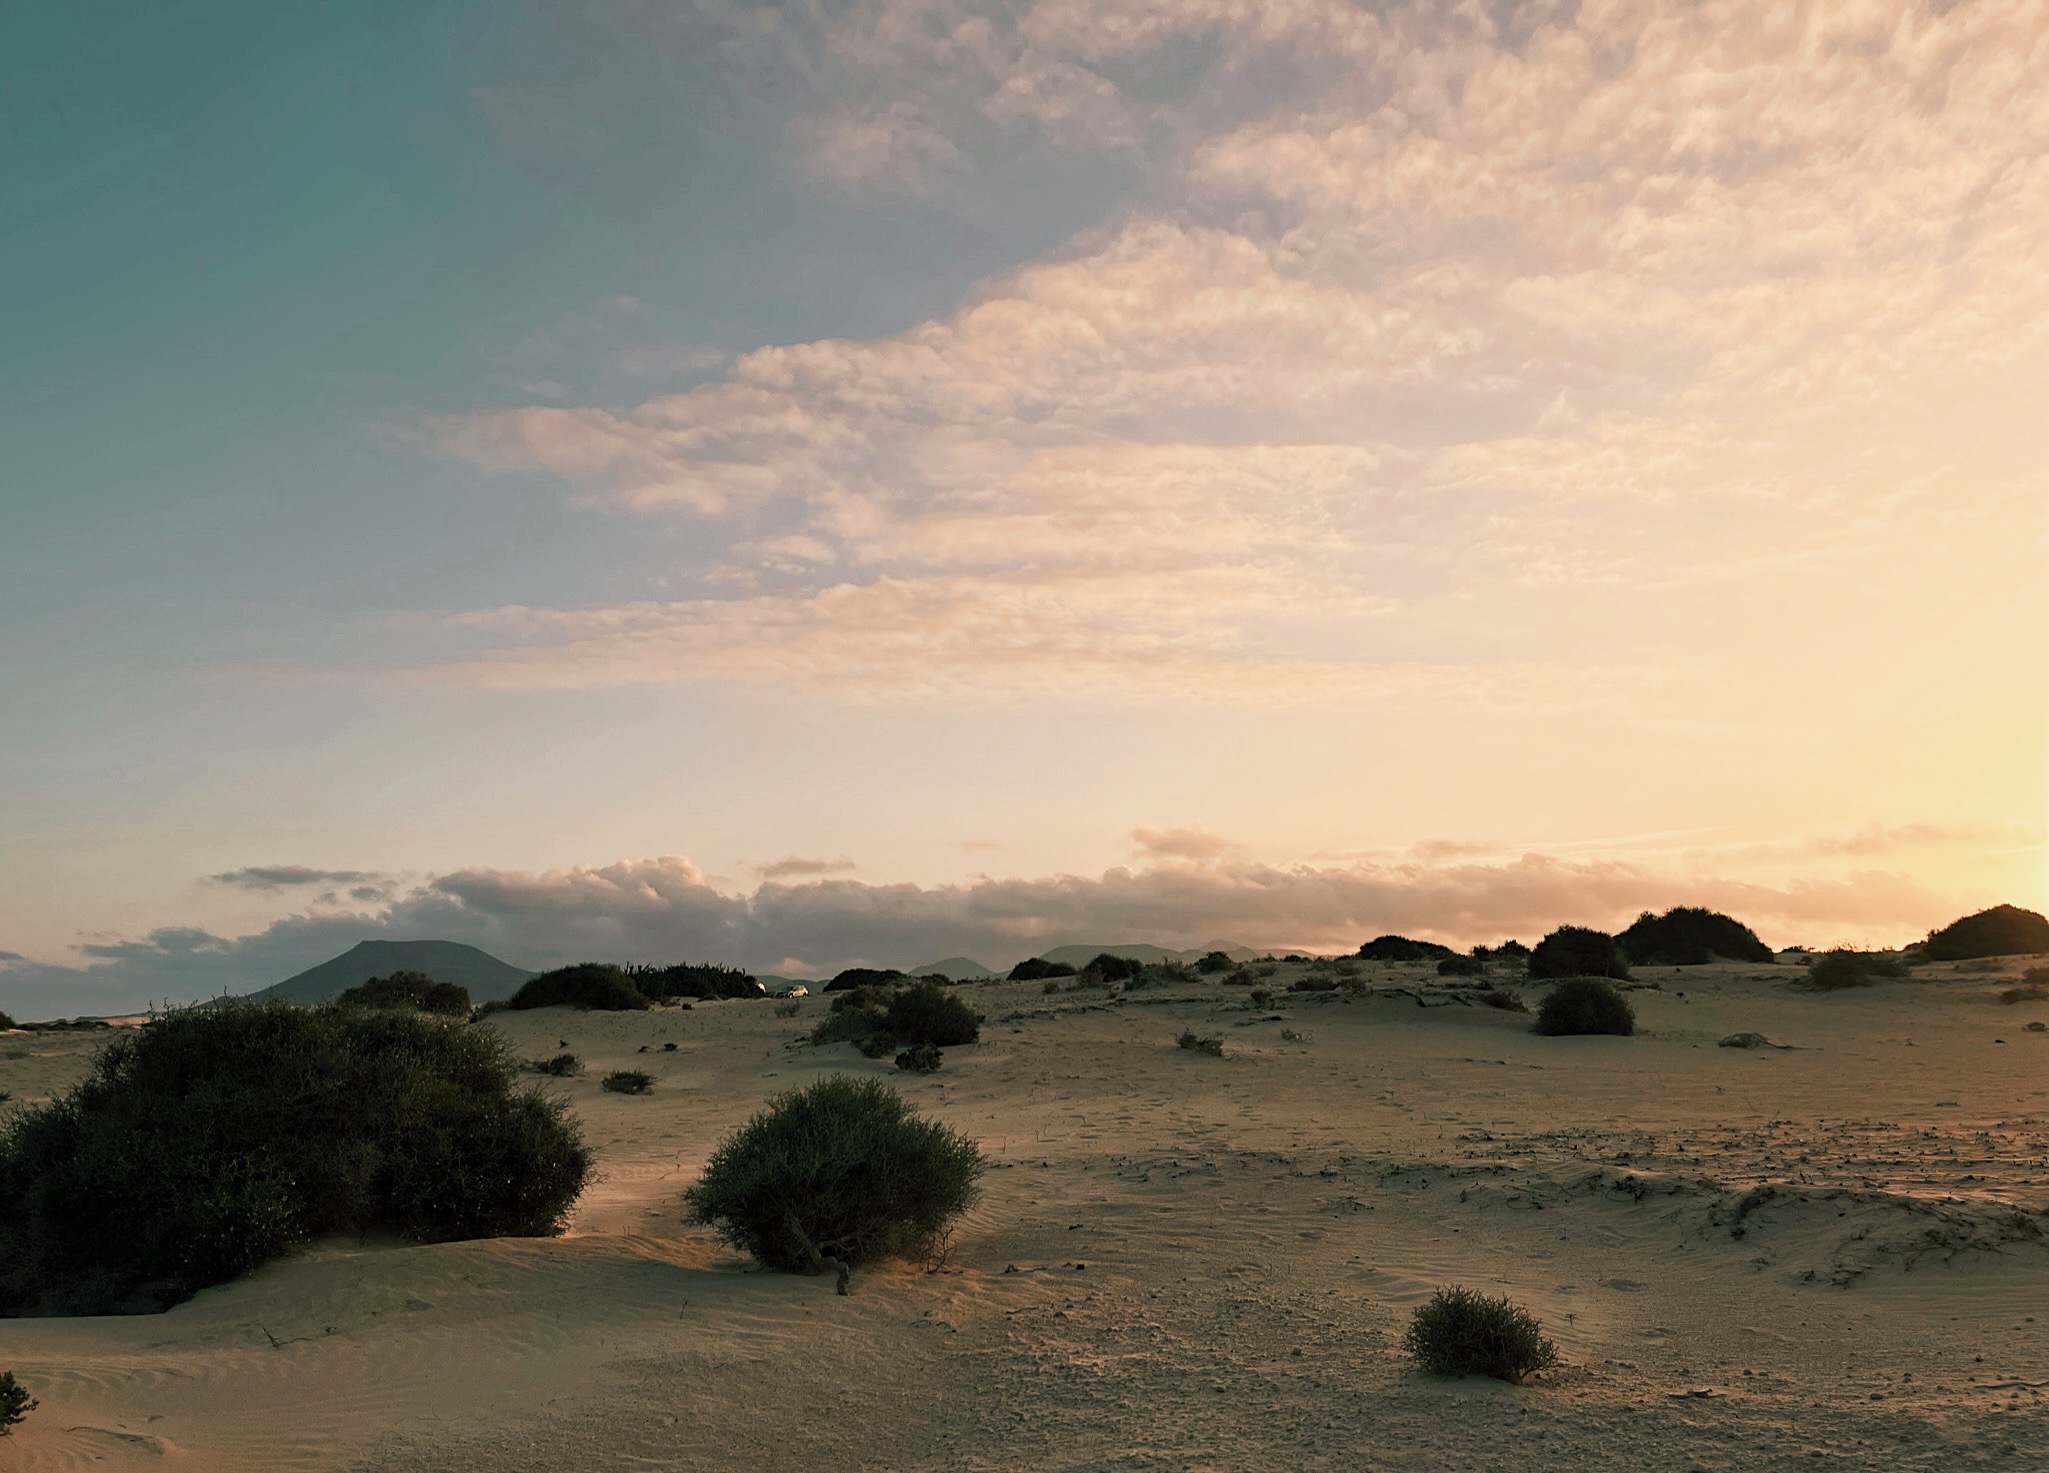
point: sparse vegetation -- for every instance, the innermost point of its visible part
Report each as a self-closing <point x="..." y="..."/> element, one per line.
<point x="627" y="1082"/>
<point x="1582" y="1005"/>
<point x="409" y="990"/>
<point x="15" y="1402"/>
<point x="2033" y="987"/>
<point x="1578" y="951"/>
<point x="597" y="986"/>
<point x="921" y="1058"/>
<point x="1201" y="1043"/>
<point x="1691" y="936"/>
<point x="1462" y="1333"/>
<point x="788" y="1009"/>
<point x="835" y="1175"/>
<point x="561" y="1066"/>
<point x="215" y="1138"/>
<point x="1037" y="968"/>
<point x="1506" y="999"/>
<point x="2004" y="930"/>
<point x="1847" y="967"/>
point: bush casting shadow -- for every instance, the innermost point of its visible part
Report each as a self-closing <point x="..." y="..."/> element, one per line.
<point x="1578" y="951"/>
<point x="216" y="1138"/>
<point x="594" y="985"/>
<point x="627" y="1082"/>
<point x="1584" y="1005"/>
<point x="2004" y="930"/>
<point x="835" y="1175"/>
<point x="1460" y="1333"/>
<point x="1691" y="936"/>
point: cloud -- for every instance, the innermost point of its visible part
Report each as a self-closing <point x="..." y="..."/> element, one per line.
<point x="796" y="867"/>
<point x="668" y="909"/>
<point x="266" y="878"/>
<point x="1195" y="843"/>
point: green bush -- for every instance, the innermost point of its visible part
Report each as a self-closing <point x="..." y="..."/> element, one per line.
<point x="628" y="1082"/>
<point x="409" y="990"/>
<point x="1585" y="1005"/>
<point x="834" y="1175"/>
<point x="1578" y="951"/>
<point x="920" y="1058"/>
<point x="929" y="1014"/>
<point x="694" y="980"/>
<point x="1461" y="1333"/>
<point x="1690" y="936"/>
<point x="561" y="1066"/>
<point x="1214" y="961"/>
<point x="2004" y="930"/>
<point x="1037" y="968"/>
<point x="1847" y="967"/>
<point x="1113" y="968"/>
<point x="15" y="1402"/>
<point x="1197" y="1043"/>
<point x="215" y="1138"/>
<point x="591" y="985"/>
<point x="860" y="1026"/>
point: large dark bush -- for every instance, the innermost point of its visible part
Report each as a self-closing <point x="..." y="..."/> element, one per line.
<point x="835" y="1175"/>
<point x="1578" y="951"/>
<point x="1402" y="949"/>
<point x="1848" y="967"/>
<point x="1584" y="1005"/>
<point x="1690" y="936"/>
<point x="1113" y="968"/>
<point x="410" y="990"/>
<point x="1461" y="1333"/>
<point x="928" y="1013"/>
<point x="1215" y="961"/>
<point x="1461" y="966"/>
<point x="215" y="1138"/>
<point x="1037" y="969"/>
<point x="857" y="977"/>
<point x="694" y="980"/>
<point x="595" y="985"/>
<point x="2004" y="930"/>
<point x="6" y="1022"/>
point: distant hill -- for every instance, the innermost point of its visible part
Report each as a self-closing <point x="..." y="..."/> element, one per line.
<point x="487" y="978"/>
<point x="959" y="968"/>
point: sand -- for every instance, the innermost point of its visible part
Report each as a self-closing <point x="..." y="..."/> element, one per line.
<point x="1827" y="1256"/>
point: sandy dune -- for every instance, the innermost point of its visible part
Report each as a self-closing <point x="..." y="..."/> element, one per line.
<point x="1829" y="1256"/>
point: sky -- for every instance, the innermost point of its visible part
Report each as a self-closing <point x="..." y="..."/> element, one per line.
<point x="826" y="483"/>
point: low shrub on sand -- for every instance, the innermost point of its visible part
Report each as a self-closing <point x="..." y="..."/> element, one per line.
<point x="1578" y="951"/>
<point x="1691" y="936"/>
<point x="1037" y="969"/>
<point x="409" y="990"/>
<point x="628" y="1082"/>
<point x="215" y="1138"/>
<point x="1584" y="1005"/>
<point x="788" y="1009"/>
<point x="561" y="1066"/>
<point x="2004" y="930"/>
<point x="1848" y="967"/>
<point x="594" y="985"/>
<point x="834" y="1175"/>
<point x="1200" y="1043"/>
<point x="1214" y="961"/>
<point x="1461" y="966"/>
<point x="1461" y="1333"/>
<point x="15" y="1402"/>
<point x="2033" y="986"/>
<point x="920" y="1058"/>
<point x="1505" y="998"/>
<point x="1313" y="984"/>
<point x="927" y="1013"/>
<point x="693" y="980"/>
<point x="6" y="1022"/>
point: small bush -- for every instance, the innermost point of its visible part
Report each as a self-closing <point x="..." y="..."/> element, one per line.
<point x="1113" y="968"/>
<point x="590" y="985"/>
<point x="215" y="1138"/>
<point x="1260" y="997"/>
<point x="2033" y="986"/>
<point x="1578" y="951"/>
<point x="1197" y="1043"/>
<point x="6" y="1022"/>
<point x="1037" y="968"/>
<point x="628" y="1082"/>
<point x="1847" y="967"/>
<point x="862" y="1027"/>
<point x="1461" y="966"/>
<point x="15" y="1402"/>
<point x="1460" y="1333"/>
<point x="835" y="1175"/>
<point x="2004" y="930"/>
<point x="1507" y="999"/>
<point x="1052" y="986"/>
<point x="788" y="1009"/>
<point x="562" y="1066"/>
<point x="1582" y="1005"/>
<point x="928" y="1013"/>
<point x="920" y="1058"/>
<point x="1313" y="984"/>
<point x="1214" y="961"/>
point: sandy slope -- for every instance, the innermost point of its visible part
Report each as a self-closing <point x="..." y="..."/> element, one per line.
<point x="1190" y="1263"/>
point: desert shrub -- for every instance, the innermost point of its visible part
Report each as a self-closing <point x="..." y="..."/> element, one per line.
<point x="15" y="1402"/>
<point x="1052" y="986"/>
<point x="1313" y="984"/>
<point x="1585" y="1005"/>
<point x="1113" y="968"/>
<point x="1690" y="936"/>
<point x="561" y="1066"/>
<point x="861" y="1026"/>
<point x="215" y="1138"/>
<point x="1198" y="1043"/>
<point x="1578" y="951"/>
<point x="1461" y="966"/>
<point x="1847" y="967"/>
<point x="871" y="998"/>
<point x="1461" y="1333"/>
<point x="1402" y="949"/>
<point x="695" y="980"/>
<point x="1260" y="997"/>
<point x="409" y="990"/>
<point x="593" y="985"/>
<point x="6" y="1022"/>
<point x="834" y="1175"/>
<point x="1214" y="961"/>
<point x="919" y="1058"/>
<point x="1037" y="968"/>
<point x="2004" y="930"/>
<point x="2033" y="986"/>
<point x="930" y="1014"/>
<point x="1507" y="999"/>
<point x="855" y="978"/>
<point x="628" y="1082"/>
<point x="788" y="1009"/>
